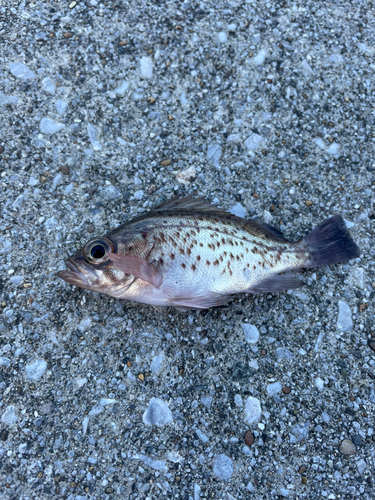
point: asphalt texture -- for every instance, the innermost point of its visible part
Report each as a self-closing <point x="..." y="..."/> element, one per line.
<point x="107" y="109"/>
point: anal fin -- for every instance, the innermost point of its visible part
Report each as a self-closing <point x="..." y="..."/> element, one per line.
<point x="276" y="283"/>
<point x="200" y="301"/>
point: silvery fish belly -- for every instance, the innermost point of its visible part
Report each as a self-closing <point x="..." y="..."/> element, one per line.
<point x="188" y="253"/>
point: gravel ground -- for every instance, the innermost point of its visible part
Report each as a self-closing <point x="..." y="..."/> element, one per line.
<point x="108" y="108"/>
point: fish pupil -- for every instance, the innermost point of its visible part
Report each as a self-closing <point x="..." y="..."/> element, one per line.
<point x="97" y="252"/>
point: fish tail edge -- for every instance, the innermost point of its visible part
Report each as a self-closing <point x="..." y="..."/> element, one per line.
<point x="330" y="243"/>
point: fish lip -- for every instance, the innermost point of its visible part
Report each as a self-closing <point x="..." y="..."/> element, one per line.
<point x="74" y="275"/>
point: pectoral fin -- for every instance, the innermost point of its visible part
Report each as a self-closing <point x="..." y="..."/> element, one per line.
<point x="139" y="268"/>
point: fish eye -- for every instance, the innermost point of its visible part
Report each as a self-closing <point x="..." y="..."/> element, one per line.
<point x="96" y="251"/>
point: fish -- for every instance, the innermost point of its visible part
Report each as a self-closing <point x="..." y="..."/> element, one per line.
<point x="187" y="253"/>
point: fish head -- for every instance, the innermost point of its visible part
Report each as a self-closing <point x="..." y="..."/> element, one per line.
<point x="91" y="268"/>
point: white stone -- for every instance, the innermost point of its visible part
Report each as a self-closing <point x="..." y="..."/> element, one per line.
<point x="186" y="176"/>
<point x="333" y="149"/>
<point x="157" y="413"/>
<point x="49" y="85"/>
<point x="93" y="134"/>
<point x="336" y="58"/>
<point x="251" y="333"/>
<point x="85" y="424"/>
<point x="61" y="106"/>
<point x="156" y="362"/>
<point x="154" y="464"/>
<point x="234" y="138"/>
<point x="56" y="180"/>
<point x="283" y="353"/>
<point x="361" y="466"/>
<point x="206" y="401"/>
<point x="80" y="382"/>
<point x="344" y="319"/>
<point x="107" y="401"/>
<point x="274" y="388"/>
<point x="320" y="143"/>
<point x="146" y="67"/>
<point x="109" y="192"/>
<point x="214" y="153"/>
<point x="20" y="70"/>
<point x="35" y="371"/>
<point x="4" y="362"/>
<point x="33" y="181"/>
<point x="319" y="383"/>
<point x="260" y="57"/>
<point x="122" y="88"/>
<point x="238" y="400"/>
<point x="253" y="141"/>
<point x="49" y="126"/>
<point x="253" y="410"/>
<point x="202" y="436"/>
<point x="9" y="417"/>
<point x="183" y="100"/>
<point x="7" y="99"/>
<point x="223" y="467"/>
<point x="197" y="491"/>
<point x="222" y="37"/>
<point x="138" y="195"/>
<point x="238" y="210"/>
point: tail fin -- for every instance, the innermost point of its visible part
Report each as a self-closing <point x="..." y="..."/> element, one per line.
<point x="330" y="243"/>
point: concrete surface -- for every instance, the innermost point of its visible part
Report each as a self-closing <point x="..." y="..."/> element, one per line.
<point x="266" y="108"/>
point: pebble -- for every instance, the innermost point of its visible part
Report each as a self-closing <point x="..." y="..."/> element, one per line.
<point x="93" y="136"/>
<point x="249" y="438"/>
<point x="7" y="99"/>
<point x="286" y="390"/>
<point x="197" y="491"/>
<point x="153" y="464"/>
<point x="67" y="34"/>
<point x="283" y="353"/>
<point x="33" y="181"/>
<point x="90" y="228"/>
<point x="371" y="344"/>
<point x="253" y="410"/>
<point x="186" y="176"/>
<point x="156" y="362"/>
<point x="109" y="192"/>
<point x="165" y="163"/>
<point x="138" y="195"/>
<point x="49" y="85"/>
<point x="61" y="106"/>
<point x="1" y="150"/>
<point x="222" y="37"/>
<point x="9" y="417"/>
<point x="333" y="149"/>
<point x="202" y="436"/>
<point x="344" y="319"/>
<point x="157" y="413"/>
<point x="347" y="447"/>
<point x="253" y="141"/>
<point x="122" y="88"/>
<point x="64" y="169"/>
<point x="56" y="180"/>
<point x="319" y="383"/>
<point x="361" y="466"/>
<point x="206" y="401"/>
<point x="146" y="67"/>
<point x="183" y="100"/>
<point x="260" y="57"/>
<point x="223" y="467"/>
<point x="320" y="143"/>
<point x="238" y="210"/>
<point x="49" y="126"/>
<point x="251" y="333"/>
<point x="35" y="371"/>
<point x="274" y="388"/>
<point x="20" y="70"/>
<point x="213" y="154"/>
<point x="4" y="362"/>
<point x="238" y="400"/>
<point x="299" y="432"/>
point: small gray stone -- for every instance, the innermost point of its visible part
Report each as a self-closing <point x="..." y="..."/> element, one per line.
<point x="138" y="195"/>
<point x="223" y="467"/>
<point x="61" y="106"/>
<point x="49" y="126"/>
<point x="260" y="57"/>
<point x="49" y="85"/>
<point x="20" y="70"/>
<point x="251" y="333"/>
<point x="238" y="400"/>
<point x="7" y="99"/>
<point x="361" y="466"/>
<point x="109" y="192"/>
<point x="35" y="371"/>
<point x="157" y="413"/>
<point x="300" y="431"/>
<point x="156" y="362"/>
<point x="253" y="410"/>
<point x="253" y="141"/>
<point x="9" y="417"/>
<point x="347" y="447"/>
<point x="146" y="67"/>
<point x="206" y="401"/>
<point x="283" y="353"/>
<point x="344" y="319"/>
<point x="202" y="436"/>
<point x="93" y="134"/>
<point x="122" y="88"/>
<point x="222" y="37"/>
<point x="154" y="464"/>
<point x="214" y="153"/>
<point x="274" y="388"/>
<point x="4" y="362"/>
<point x="238" y="210"/>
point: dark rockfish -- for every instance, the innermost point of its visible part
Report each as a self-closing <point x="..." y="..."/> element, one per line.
<point x="189" y="253"/>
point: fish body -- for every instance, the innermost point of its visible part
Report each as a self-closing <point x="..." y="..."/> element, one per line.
<point x="188" y="253"/>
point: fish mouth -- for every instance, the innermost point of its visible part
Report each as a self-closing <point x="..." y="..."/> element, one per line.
<point x="75" y="275"/>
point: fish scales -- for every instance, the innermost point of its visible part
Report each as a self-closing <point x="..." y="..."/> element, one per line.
<point x="187" y="253"/>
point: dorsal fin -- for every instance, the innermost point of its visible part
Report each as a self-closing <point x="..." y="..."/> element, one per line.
<point x="189" y="203"/>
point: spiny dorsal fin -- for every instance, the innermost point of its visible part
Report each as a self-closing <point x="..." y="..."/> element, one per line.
<point x="189" y="203"/>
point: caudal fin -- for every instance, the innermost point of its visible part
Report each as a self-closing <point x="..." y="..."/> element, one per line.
<point x="330" y="243"/>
